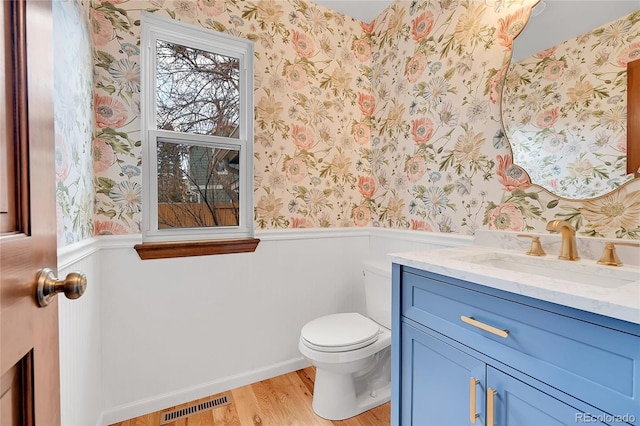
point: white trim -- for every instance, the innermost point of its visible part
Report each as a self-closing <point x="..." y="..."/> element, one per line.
<point x="311" y="233"/>
<point x="101" y="421"/>
<point x="161" y="402"/>
<point x="154" y="28"/>
<point x="453" y="240"/>
<point x="192" y="34"/>
<point x="119" y="241"/>
<point x="439" y="238"/>
<point x="75" y="252"/>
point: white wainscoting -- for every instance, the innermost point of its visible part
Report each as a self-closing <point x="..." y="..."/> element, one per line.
<point x="81" y="400"/>
<point x="174" y="330"/>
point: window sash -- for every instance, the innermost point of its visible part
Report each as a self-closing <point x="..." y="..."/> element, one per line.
<point x="246" y="207"/>
<point x="177" y="74"/>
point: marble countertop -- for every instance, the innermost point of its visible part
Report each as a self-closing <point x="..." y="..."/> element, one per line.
<point x="614" y="293"/>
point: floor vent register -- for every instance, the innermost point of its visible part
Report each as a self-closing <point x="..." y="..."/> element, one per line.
<point x="174" y="415"/>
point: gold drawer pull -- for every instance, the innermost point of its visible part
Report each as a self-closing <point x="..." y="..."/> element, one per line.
<point x="473" y="382"/>
<point x="485" y="327"/>
<point x="491" y="407"/>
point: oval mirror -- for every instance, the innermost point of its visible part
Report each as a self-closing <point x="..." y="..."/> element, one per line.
<point x="564" y="104"/>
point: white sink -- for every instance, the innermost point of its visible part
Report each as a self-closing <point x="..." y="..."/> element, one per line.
<point x="581" y="271"/>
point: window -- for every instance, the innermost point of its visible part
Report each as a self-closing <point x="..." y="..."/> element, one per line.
<point x="197" y="133"/>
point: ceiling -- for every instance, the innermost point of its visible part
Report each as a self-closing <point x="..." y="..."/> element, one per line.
<point x="367" y="10"/>
<point x="561" y="16"/>
<point x="362" y="10"/>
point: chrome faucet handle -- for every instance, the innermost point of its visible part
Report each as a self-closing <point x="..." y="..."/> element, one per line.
<point x="609" y="256"/>
<point x="536" y="248"/>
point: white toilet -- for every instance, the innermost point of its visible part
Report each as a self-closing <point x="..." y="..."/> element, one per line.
<point x="352" y="353"/>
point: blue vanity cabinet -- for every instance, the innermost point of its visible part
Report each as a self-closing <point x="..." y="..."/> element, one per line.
<point x="438" y="381"/>
<point x="513" y="402"/>
<point x="467" y="354"/>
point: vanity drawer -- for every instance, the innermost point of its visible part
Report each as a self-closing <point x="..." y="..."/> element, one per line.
<point x="597" y="364"/>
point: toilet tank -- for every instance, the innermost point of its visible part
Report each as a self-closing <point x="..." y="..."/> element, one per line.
<point x="377" y="289"/>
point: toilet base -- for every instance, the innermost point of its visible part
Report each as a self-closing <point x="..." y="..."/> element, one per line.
<point x="338" y="396"/>
<point x="340" y="409"/>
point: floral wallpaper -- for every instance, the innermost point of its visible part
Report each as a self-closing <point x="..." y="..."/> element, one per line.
<point x="311" y="101"/>
<point x="394" y="123"/>
<point x="440" y="156"/>
<point x="437" y="147"/>
<point x="566" y="107"/>
<point x="73" y="121"/>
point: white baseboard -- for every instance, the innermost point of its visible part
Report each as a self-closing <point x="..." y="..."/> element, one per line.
<point x="160" y="402"/>
<point x="101" y="421"/>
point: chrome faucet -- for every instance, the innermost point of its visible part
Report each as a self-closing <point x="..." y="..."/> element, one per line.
<point x="568" y="249"/>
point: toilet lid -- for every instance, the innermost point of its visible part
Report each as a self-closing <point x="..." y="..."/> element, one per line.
<point x="340" y="332"/>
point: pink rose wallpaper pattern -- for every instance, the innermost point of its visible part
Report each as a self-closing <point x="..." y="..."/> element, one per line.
<point x="394" y="123"/>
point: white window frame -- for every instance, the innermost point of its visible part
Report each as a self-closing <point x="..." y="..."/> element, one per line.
<point x="154" y="28"/>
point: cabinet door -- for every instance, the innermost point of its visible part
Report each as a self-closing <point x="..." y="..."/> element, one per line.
<point x="513" y="402"/>
<point x="441" y="385"/>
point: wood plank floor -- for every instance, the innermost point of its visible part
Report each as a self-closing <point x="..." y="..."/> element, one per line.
<point x="279" y="401"/>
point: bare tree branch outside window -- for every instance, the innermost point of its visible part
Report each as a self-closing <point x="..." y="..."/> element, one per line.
<point x="198" y="93"/>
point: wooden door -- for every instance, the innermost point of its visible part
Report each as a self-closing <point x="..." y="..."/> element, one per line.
<point x="29" y="358"/>
<point x="633" y="117"/>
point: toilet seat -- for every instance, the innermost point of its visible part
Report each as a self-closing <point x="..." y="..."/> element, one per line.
<point x="340" y="332"/>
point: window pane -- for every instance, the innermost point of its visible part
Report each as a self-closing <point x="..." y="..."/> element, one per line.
<point x="197" y="91"/>
<point x="197" y="186"/>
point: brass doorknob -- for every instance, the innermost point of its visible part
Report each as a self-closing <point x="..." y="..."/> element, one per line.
<point x="47" y="286"/>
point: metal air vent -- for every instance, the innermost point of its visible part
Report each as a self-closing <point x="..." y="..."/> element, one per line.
<point x="174" y="415"/>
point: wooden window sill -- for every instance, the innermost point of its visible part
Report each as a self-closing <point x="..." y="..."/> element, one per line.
<point x="168" y="250"/>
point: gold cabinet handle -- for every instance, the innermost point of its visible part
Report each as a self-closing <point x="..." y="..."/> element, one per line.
<point x="472" y="400"/>
<point x="485" y="327"/>
<point x="491" y="393"/>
